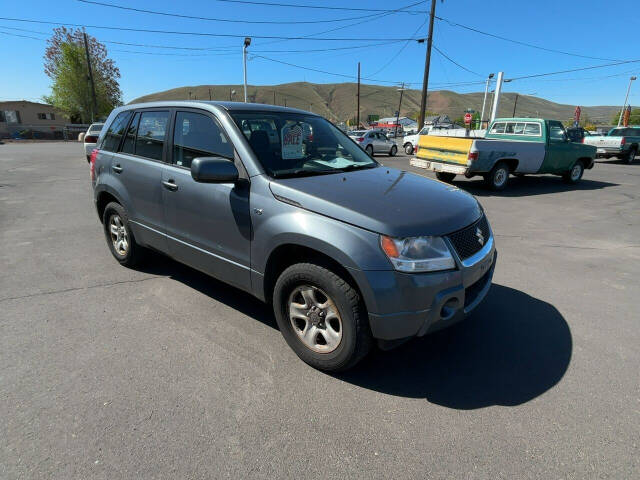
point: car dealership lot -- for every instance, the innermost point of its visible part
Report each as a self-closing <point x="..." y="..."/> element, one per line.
<point x="163" y="372"/>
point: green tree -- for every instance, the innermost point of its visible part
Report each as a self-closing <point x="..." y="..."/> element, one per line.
<point x="634" y="119"/>
<point x="66" y="64"/>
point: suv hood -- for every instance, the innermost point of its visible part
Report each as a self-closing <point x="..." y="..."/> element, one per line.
<point x="384" y="200"/>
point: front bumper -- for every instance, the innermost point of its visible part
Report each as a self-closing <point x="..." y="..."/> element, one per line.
<point x="405" y="305"/>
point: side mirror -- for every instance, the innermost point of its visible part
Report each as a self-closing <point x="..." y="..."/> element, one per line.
<point x="213" y="170"/>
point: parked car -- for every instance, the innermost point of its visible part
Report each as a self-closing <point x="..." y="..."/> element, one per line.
<point x="516" y="146"/>
<point x="321" y="231"/>
<point x="621" y="142"/>
<point x="410" y="142"/>
<point x="375" y="141"/>
<point x="91" y="137"/>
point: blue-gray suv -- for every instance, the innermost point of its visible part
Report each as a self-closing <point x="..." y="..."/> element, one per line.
<point x="282" y="204"/>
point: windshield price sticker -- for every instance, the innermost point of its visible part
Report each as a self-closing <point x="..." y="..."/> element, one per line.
<point x="292" y="137"/>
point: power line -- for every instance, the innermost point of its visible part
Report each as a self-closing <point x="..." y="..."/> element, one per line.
<point x="536" y="75"/>
<point x="225" y="20"/>
<point x="318" y="7"/>
<point x="518" y="42"/>
<point x="453" y="61"/>
<point x="204" y="34"/>
<point x="400" y="50"/>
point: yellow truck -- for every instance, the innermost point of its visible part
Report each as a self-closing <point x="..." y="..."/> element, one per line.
<point x="516" y="146"/>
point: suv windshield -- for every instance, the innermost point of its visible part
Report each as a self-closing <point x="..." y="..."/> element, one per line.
<point x="296" y="144"/>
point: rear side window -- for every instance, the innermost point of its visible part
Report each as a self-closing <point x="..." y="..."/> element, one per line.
<point x="198" y="135"/>
<point x="130" y="137"/>
<point x="115" y="132"/>
<point x="151" y="132"/>
<point x="498" y="128"/>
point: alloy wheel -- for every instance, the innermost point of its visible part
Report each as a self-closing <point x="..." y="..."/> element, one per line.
<point x="315" y="319"/>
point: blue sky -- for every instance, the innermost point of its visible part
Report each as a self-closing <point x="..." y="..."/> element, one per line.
<point x="587" y="28"/>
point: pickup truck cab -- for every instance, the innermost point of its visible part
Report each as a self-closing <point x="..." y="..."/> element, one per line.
<point x="621" y="142"/>
<point x="516" y="146"/>
<point x="280" y="203"/>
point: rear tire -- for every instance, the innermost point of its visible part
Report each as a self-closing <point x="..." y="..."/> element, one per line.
<point x="369" y="150"/>
<point x="408" y="149"/>
<point x="445" y="176"/>
<point x="632" y="154"/>
<point x="120" y="239"/>
<point x="498" y="178"/>
<point x="393" y="151"/>
<point x="574" y="175"/>
<point x="330" y="338"/>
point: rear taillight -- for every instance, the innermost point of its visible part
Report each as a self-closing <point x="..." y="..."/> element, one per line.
<point x="582" y="141"/>
<point x="623" y="141"/>
<point x="92" y="168"/>
<point x="91" y="139"/>
<point x="473" y="156"/>
<point x="360" y="139"/>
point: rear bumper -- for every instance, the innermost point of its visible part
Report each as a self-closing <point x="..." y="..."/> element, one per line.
<point x="608" y="151"/>
<point x="405" y="305"/>
<point x="439" y="166"/>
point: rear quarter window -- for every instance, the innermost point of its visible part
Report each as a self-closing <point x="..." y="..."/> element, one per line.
<point x="498" y="127"/>
<point x="116" y="130"/>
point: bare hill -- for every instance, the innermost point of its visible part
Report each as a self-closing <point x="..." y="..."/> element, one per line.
<point x="337" y="101"/>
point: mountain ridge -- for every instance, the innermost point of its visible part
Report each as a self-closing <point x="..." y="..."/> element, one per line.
<point x="337" y="101"/>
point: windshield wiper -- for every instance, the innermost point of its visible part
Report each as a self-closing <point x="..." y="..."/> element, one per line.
<point x="301" y="172"/>
<point x="352" y="167"/>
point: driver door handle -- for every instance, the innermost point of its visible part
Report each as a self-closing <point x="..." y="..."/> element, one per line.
<point x="170" y="185"/>
<point x="117" y="168"/>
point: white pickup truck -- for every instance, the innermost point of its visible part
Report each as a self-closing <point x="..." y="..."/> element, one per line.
<point x="621" y="142"/>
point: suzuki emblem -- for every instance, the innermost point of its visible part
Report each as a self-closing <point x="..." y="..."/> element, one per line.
<point x="480" y="236"/>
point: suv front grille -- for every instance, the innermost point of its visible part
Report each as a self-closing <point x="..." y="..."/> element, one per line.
<point x="467" y="241"/>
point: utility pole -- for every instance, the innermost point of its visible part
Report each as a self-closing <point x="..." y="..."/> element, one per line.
<point x="94" y="108"/>
<point x="358" y="107"/>
<point x="515" y="104"/>
<point x="209" y="94"/>
<point x="247" y="42"/>
<point x="427" y="62"/>
<point x="484" y="100"/>
<point x="496" y="96"/>
<point x="274" y="97"/>
<point x="631" y="79"/>
<point x="399" y="107"/>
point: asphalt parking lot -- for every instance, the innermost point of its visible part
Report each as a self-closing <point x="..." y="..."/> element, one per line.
<point x="162" y="372"/>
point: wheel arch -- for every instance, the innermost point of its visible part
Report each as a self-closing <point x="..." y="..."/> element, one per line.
<point x="287" y="254"/>
<point x="103" y="198"/>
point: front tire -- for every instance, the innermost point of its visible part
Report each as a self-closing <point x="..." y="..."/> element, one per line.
<point x="322" y="317"/>
<point x="393" y="151"/>
<point x="119" y="236"/>
<point x="445" y="176"/>
<point x="574" y="175"/>
<point x="408" y="149"/>
<point x="498" y="178"/>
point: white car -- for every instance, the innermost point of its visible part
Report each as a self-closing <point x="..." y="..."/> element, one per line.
<point x="91" y="137"/>
<point x="410" y="142"/>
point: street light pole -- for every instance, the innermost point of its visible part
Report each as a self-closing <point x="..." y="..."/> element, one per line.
<point x="484" y="100"/>
<point x="515" y="104"/>
<point x="631" y="79"/>
<point x="427" y="62"/>
<point x="496" y="96"/>
<point x="247" y="42"/>
<point x="399" y="107"/>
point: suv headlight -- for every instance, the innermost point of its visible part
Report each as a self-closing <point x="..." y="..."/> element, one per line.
<point x="417" y="254"/>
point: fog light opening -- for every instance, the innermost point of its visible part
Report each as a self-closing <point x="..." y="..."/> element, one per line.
<point x="448" y="310"/>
